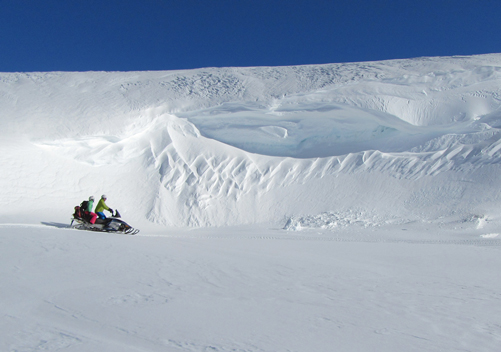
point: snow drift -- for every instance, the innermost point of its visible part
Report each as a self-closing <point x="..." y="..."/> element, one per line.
<point x="385" y="141"/>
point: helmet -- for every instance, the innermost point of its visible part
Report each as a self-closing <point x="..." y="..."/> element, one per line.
<point x="91" y="198"/>
<point x="104" y="196"/>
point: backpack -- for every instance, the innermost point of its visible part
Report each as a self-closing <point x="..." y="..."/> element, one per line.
<point x="84" y="206"/>
<point x="78" y="213"/>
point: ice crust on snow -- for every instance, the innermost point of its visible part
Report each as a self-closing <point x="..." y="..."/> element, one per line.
<point x="304" y="145"/>
<point x="330" y="221"/>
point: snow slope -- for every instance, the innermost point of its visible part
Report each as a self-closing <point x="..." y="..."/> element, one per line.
<point x="350" y="207"/>
<point x="405" y="139"/>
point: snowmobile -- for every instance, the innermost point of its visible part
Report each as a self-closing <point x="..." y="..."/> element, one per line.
<point x="112" y="224"/>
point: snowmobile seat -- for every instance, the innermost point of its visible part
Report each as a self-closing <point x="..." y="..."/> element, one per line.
<point x="102" y="221"/>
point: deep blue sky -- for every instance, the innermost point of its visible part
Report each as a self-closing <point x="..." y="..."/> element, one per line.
<point x="127" y="35"/>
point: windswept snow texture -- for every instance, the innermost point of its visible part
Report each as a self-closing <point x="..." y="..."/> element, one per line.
<point x="408" y="139"/>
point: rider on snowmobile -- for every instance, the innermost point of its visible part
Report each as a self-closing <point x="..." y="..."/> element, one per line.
<point x="101" y="207"/>
<point x="90" y="215"/>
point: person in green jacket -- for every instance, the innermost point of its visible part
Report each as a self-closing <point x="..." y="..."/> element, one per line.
<point x="88" y="212"/>
<point x="101" y="207"/>
<point x="90" y="204"/>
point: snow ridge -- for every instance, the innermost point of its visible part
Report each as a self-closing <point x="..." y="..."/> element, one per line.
<point x="214" y="147"/>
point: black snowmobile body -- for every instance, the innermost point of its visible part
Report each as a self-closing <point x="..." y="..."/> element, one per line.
<point x="112" y="224"/>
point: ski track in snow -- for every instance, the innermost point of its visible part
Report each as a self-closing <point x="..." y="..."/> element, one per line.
<point x="486" y="240"/>
<point x="349" y="234"/>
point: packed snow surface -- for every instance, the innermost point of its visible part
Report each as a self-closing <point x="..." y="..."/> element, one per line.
<point x="413" y="287"/>
<point x="350" y="207"/>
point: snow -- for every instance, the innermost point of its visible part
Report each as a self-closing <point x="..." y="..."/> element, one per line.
<point x="249" y="289"/>
<point x="350" y="206"/>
